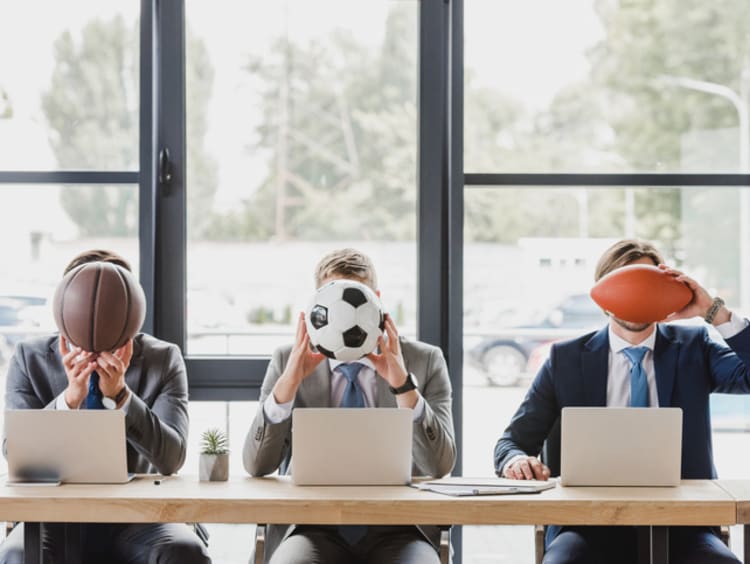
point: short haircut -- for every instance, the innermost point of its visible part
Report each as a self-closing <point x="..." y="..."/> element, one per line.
<point x="624" y="252"/>
<point x="97" y="255"/>
<point x="346" y="263"/>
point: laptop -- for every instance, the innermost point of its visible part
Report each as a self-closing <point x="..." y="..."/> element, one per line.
<point x="47" y="446"/>
<point x="351" y="446"/>
<point x="629" y="446"/>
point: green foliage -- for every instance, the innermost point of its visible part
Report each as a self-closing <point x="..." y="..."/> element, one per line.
<point x="92" y="107"/>
<point x="214" y="441"/>
<point x="337" y="128"/>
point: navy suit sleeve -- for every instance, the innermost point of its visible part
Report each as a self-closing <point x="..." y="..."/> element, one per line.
<point x="534" y="419"/>
<point x="729" y="365"/>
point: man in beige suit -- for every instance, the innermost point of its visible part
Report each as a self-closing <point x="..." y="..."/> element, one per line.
<point x="401" y="374"/>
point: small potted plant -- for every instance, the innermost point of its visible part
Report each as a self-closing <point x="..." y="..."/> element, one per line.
<point x="214" y="458"/>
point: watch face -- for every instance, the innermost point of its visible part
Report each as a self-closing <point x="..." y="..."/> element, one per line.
<point x="109" y="403"/>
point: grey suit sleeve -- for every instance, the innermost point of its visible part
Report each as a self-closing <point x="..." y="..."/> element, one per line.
<point x="434" y="449"/>
<point x="267" y="444"/>
<point x="159" y="432"/>
<point x="19" y="392"/>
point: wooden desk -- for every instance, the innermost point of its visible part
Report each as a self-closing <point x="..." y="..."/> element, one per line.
<point x="740" y="492"/>
<point x="277" y="500"/>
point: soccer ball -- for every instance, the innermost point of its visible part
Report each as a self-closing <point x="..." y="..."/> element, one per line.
<point x="344" y="320"/>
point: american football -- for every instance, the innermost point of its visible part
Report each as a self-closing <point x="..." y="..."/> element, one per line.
<point x="344" y="320"/>
<point x="640" y="293"/>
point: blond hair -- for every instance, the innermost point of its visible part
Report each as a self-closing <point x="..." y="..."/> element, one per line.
<point x="346" y="263"/>
<point x="624" y="252"/>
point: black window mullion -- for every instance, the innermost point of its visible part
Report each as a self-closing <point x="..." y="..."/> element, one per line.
<point x="147" y="142"/>
<point x="168" y="174"/>
<point x="604" y="179"/>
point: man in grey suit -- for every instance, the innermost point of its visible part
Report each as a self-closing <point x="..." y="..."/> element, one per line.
<point x="146" y="378"/>
<point x="402" y="374"/>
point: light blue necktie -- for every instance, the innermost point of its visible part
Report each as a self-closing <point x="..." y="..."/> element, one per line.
<point x="94" y="397"/>
<point x="353" y="394"/>
<point x="353" y="397"/>
<point x="638" y="380"/>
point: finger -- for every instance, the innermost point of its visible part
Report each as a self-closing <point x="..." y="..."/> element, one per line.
<point x="113" y="361"/>
<point x="125" y="352"/>
<point x="537" y="468"/>
<point x="546" y="471"/>
<point x="84" y="373"/>
<point x="526" y="470"/>
<point x="64" y="350"/>
<point x="104" y="368"/>
<point x="301" y="330"/>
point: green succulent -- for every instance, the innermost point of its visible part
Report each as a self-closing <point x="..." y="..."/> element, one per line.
<point x="214" y="441"/>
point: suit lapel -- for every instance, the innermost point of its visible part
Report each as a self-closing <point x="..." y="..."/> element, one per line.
<point x="316" y="388"/>
<point x="666" y="353"/>
<point x="595" y="366"/>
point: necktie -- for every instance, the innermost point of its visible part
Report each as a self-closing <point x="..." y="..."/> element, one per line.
<point x="638" y="380"/>
<point x="94" y="398"/>
<point x="353" y="394"/>
<point x="353" y="397"/>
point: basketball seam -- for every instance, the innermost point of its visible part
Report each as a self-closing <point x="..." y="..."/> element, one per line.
<point x="95" y="308"/>
<point x="127" y="307"/>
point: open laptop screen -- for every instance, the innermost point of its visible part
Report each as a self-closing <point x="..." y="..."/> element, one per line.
<point x="86" y="446"/>
<point x="629" y="446"/>
<point x="351" y="446"/>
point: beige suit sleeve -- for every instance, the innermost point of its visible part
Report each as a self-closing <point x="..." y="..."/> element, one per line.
<point x="434" y="448"/>
<point x="267" y="444"/>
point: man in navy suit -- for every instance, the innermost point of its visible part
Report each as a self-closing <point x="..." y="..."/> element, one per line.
<point x="682" y="366"/>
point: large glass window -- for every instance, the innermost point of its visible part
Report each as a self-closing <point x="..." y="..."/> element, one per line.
<point x="301" y="138"/>
<point x="69" y="85"/>
<point x="527" y="276"/>
<point x="587" y="86"/>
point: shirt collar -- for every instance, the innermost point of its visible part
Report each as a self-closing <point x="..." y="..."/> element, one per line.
<point x="616" y="344"/>
<point x="333" y="363"/>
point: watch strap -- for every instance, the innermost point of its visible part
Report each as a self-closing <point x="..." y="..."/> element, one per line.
<point x="117" y="400"/>
<point x="410" y="384"/>
<point x="714" y="309"/>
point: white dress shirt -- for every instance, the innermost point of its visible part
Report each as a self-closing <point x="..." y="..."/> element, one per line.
<point x="368" y="380"/>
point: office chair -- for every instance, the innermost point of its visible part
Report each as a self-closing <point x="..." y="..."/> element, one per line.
<point x="444" y="550"/>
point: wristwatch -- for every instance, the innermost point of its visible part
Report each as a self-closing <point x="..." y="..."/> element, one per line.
<point x="410" y="384"/>
<point x="112" y="403"/>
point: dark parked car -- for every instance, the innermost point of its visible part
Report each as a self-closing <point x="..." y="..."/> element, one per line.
<point x="503" y="357"/>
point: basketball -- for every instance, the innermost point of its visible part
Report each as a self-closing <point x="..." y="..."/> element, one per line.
<point x="640" y="293"/>
<point x="99" y="306"/>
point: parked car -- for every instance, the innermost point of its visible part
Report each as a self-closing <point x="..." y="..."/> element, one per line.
<point x="503" y="357"/>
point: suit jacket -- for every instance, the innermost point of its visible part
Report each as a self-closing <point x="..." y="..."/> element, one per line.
<point x="156" y="422"/>
<point x="268" y="445"/>
<point x="688" y="367"/>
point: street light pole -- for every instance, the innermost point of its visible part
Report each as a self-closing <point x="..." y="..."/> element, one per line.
<point x="741" y="103"/>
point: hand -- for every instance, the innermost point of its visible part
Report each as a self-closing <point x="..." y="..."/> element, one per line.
<point x="389" y="363"/>
<point x="78" y="366"/>
<point x="701" y="302"/>
<point x="302" y="361"/>
<point x="529" y="468"/>
<point x="111" y="368"/>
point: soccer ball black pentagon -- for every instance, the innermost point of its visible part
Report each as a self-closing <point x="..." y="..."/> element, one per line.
<point x="344" y="320"/>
